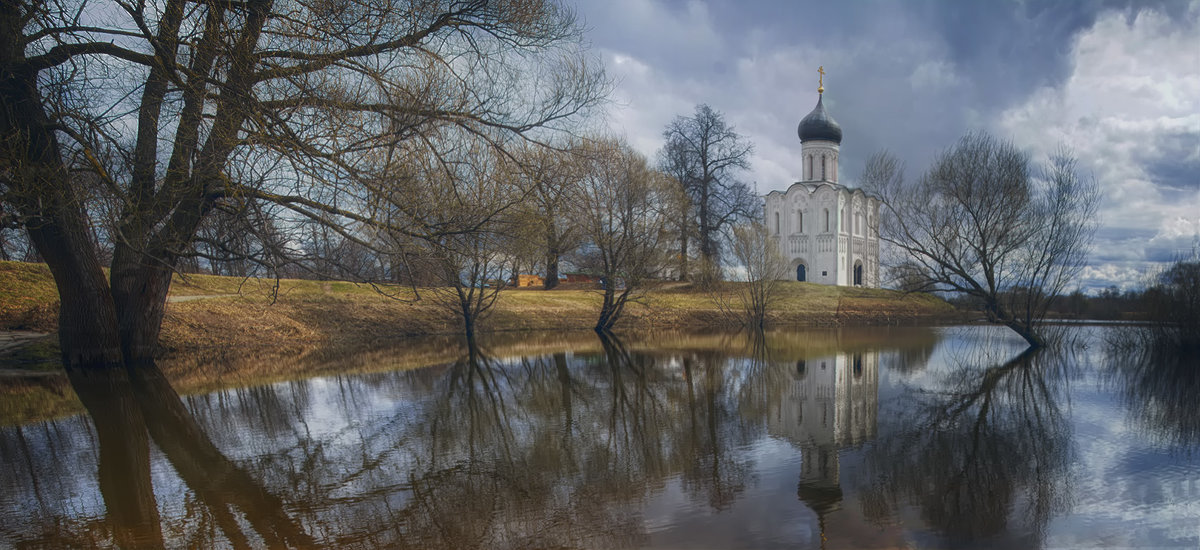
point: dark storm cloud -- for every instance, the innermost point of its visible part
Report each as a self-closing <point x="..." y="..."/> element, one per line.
<point x="995" y="54"/>
<point x="1012" y="47"/>
<point x="1174" y="161"/>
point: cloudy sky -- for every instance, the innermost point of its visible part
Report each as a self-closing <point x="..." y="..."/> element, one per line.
<point x="1116" y="81"/>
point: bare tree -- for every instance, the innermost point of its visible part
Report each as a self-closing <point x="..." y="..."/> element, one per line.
<point x="753" y="248"/>
<point x="986" y="223"/>
<point x="469" y="198"/>
<point x="620" y="210"/>
<point x="552" y="179"/>
<point x="176" y="105"/>
<point x="705" y="155"/>
<point x="1172" y="304"/>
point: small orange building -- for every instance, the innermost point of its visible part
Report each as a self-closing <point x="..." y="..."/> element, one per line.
<point x="526" y="279"/>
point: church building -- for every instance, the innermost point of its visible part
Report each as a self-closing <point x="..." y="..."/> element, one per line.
<point x="826" y="230"/>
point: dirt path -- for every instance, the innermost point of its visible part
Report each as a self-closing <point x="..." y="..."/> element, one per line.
<point x="173" y="299"/>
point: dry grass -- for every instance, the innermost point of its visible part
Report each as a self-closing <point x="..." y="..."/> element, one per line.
<point x="314" y="327"/>
<point x="263" y="312"/>
<point x="28" y="297"/>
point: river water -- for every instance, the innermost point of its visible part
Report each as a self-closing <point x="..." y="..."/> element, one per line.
<point x="864" y="438"/>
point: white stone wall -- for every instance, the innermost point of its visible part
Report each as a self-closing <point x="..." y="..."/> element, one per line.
<point x="829" y="229"/>
<point x="813" y="154"/>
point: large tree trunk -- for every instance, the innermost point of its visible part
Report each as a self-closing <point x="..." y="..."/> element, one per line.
<point x="40" y="188"/>
<point x="139" y="290"/>
<point x="551" y="281"/>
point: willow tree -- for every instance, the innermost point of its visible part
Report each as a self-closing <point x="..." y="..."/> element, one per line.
<point x="156" y="112"/>
<point x="985" y="222"/>
<point x="620" y="208"/>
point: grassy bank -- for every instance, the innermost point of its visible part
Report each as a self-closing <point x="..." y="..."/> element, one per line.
<point x="222" y="332"/>
<point x="35" y="395"/>
<point x="239" y="312"/>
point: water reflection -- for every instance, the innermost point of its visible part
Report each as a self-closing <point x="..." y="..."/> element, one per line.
<point x="1159" y="382"/>
<point x="982" y="455"/>
<point x="826" y="438"/>
<point x="124" y="407"/>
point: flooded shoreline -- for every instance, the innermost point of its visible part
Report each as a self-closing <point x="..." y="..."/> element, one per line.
<point x="921" y="437"/>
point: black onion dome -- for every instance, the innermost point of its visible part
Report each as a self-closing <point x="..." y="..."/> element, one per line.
<point x="819" y="125"/>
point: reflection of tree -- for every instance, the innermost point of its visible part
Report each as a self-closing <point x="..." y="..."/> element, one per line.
<point x="909" y="359"/>
<point x="559" y="450"/>
<point x="124" y="408"/>
<point x="984" y="448"/>
<point x="1161" y="383"/>
<point x="701" y="444"/>
<point x="124" y="461"/>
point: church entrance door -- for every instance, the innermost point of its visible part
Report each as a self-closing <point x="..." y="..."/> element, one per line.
<point x="800" y="273"/>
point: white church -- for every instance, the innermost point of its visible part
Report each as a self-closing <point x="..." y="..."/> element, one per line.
<point x="826" y="230"/>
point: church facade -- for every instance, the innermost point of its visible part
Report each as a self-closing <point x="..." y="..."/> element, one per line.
<point x="826" y="230"/>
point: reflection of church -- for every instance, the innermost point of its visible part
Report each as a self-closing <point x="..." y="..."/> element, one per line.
<point x="831" y="404"/>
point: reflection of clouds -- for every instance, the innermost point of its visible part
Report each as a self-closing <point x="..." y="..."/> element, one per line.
<point x="615" y="446"/>
<point x="1119" y="502"/>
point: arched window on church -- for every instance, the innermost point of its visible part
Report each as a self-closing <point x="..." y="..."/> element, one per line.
<point x="822" y="167"/>
<point x="843" y="220"/>
<point x="799" y="221"/>
<point x="826" y="220"/>
<point x="777" y="223"/>
<point x="810" y="168"/>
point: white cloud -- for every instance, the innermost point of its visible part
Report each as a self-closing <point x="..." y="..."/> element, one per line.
<point x="1132" y="82"/>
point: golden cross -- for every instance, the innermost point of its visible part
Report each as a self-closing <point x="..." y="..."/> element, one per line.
<point x="821" y="83"/>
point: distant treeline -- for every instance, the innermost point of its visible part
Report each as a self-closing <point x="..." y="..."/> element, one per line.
<point x="1172" y="297"/>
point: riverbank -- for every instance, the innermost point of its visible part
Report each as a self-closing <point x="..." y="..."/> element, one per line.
<point x="206" y="310"/>
<point x="222" y="332"/>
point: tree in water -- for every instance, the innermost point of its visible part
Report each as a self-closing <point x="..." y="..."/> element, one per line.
<point x="984" y="222"/>
<point x="620" y="209"/>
